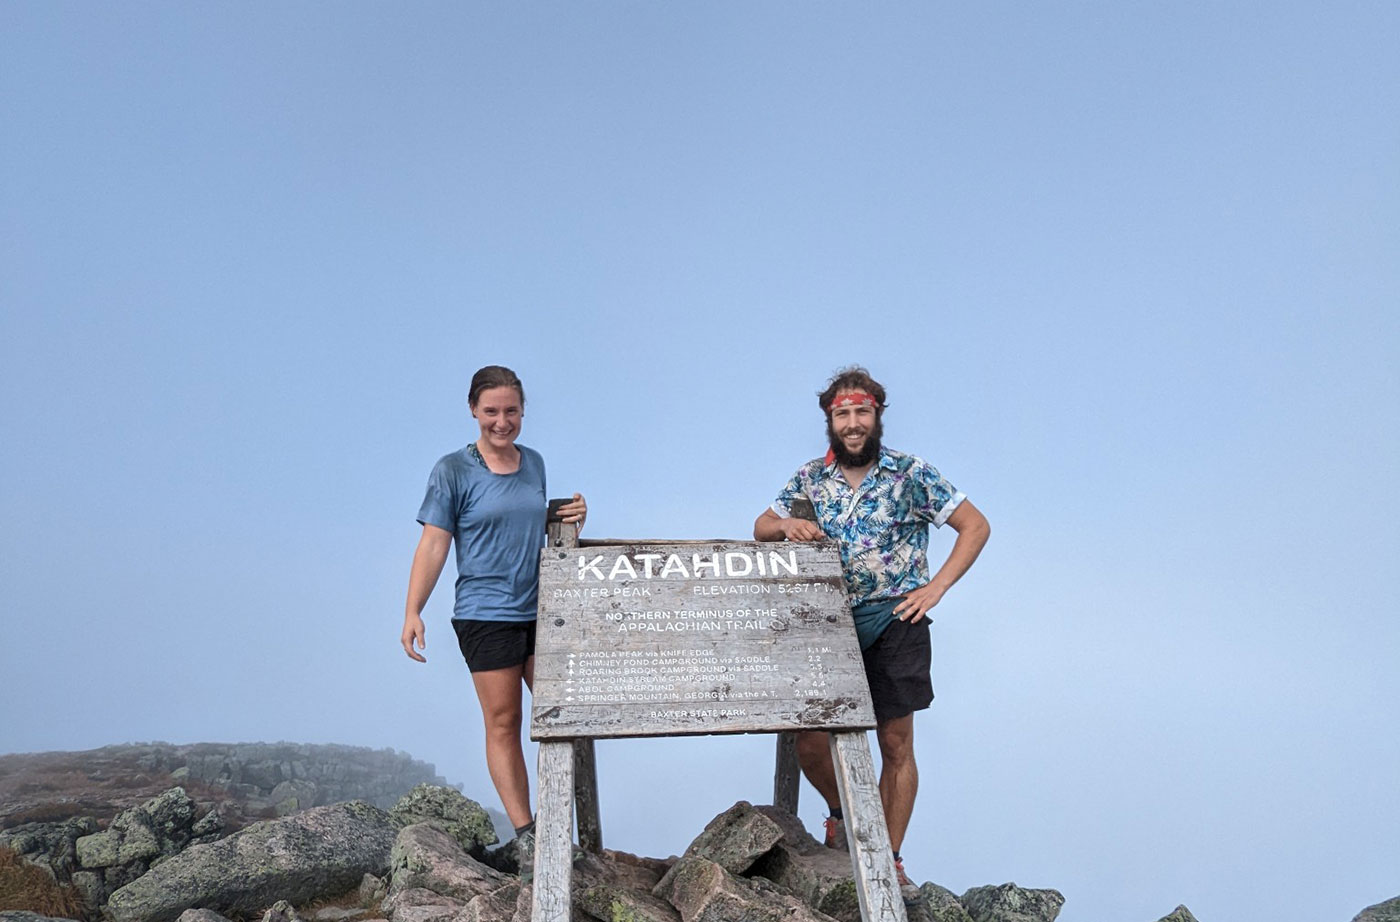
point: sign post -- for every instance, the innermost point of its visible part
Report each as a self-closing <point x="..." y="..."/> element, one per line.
<point x="664" y="638"/>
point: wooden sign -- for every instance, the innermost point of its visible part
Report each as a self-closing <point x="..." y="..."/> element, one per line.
<point x="694" y="638"/>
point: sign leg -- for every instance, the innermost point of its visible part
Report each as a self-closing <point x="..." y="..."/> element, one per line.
<point x="590" y="825"/>
<point x="873" y="862"/>
<point x="554" y="828"/>
<point x="787" y="775"/>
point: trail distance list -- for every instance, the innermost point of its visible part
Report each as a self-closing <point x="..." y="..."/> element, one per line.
<point x="642" y="640"/>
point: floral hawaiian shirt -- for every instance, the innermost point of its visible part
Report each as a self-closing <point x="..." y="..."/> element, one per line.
<point x="882" y="528"/>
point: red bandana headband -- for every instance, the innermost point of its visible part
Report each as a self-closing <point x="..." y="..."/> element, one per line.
<point x="853" y="399"/>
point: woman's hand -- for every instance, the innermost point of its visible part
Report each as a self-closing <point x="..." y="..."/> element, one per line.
<point x="575" y="512"/>
<point x="412" y="636"/>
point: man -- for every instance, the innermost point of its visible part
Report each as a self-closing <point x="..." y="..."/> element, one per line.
<point x="877" y="504"/>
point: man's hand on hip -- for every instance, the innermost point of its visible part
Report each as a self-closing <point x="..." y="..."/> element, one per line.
<point x="918" y="603"/>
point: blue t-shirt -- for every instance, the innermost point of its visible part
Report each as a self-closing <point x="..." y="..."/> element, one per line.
<point x="497" y="524"/>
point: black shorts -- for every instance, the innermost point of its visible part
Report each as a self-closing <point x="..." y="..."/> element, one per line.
<point x="488" y="645"/>
<point x="897" y="667"/>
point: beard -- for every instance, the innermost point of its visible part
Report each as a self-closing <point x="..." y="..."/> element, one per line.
<point x="867" y="452"/>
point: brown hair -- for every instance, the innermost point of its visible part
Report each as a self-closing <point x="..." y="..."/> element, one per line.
<point x="493" y="376"/>
<point x="851" y="378"/>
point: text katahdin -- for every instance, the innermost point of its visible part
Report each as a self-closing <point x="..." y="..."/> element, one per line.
<point x="668" y="566"/>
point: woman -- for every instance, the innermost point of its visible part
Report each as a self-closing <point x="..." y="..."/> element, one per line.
<point x="489" y="498"/>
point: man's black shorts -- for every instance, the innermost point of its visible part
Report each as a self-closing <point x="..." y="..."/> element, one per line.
<point x="897" y="666"/>
<point x="488" y="645"/>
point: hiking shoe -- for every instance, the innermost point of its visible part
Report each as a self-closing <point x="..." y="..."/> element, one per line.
<point x="836" y="834"/>
<point x="525" y="855"/>
<point x="911" y="894"/>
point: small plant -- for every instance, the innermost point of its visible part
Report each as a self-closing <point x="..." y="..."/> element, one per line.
<point x="25" y="886"/>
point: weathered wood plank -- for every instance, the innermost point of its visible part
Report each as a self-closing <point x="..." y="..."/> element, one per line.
<point x="590" y="825"/>
<point x="554" y="824"/>
<point x="696" y="638"/>
<point x="787" y="774"/>
<point x="877" y="890"/>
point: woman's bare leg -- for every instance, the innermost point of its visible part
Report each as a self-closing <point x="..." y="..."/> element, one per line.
<point x="500" y="696"/>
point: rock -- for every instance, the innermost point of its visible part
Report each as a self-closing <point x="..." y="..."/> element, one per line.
<point x="281" y="911"/>
<point x="201" y="915"/>
<point x="207" y="828"/>
<point x="91" y="887"/>
<point x="705" y="892"/>
<point x="424" y="857"/>
<point x="336" y="914"/>
<point x="1179" y="914"/>
<point x="616" y="904"/>
<point x="1389" y="911"/>
<point x="420" y="905"/>
<point x="460" y="817"/>
<point x="492" y="907"/>
<point x="299" y="858"/>
<point x="938" y="905"/>
<point x="159" y="827"/>
<point x="22" y="915"/>
<point x="372" y="890"/>
<point x="50" y="845"/>
<point x="1010" y="903"/>
<point x="736" y="838"/>
<point x="292" y="796"/>
<point x="820" y="876"/>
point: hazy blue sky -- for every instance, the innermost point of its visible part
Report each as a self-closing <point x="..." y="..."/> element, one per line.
<point x="1130" y="273"/>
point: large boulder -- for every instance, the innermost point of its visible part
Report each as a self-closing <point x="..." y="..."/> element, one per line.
<point x="619" y="904"/>
<point x="50" y="845"/>
<point x="705" y="892"/>
<point x="326" y="850"/>
<point x="446" y="808"/>
<point x="1010" y="903"/>
<point x="939" y="904"/>
<point x="820" y="876"/>
<point x="158" y="828"/>
<point x="736" y="838"/>
<point x="426" y="858"/>
<point x="1389" y="911"/>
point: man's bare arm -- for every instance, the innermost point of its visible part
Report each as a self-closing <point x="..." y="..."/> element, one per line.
<point x="772" y="527"/>
<point x="973" y="531"/>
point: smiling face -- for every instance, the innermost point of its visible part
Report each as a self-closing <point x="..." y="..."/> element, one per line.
<point x="854" y="432"/>
<point x="499" y="410"/>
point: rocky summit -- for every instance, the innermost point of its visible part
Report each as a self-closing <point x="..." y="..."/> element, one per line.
<point x="429" y="857"/>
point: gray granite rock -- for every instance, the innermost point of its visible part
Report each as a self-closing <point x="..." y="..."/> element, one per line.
<point x="1389" y="911"/>
<point x="424" y="857"/>
<point x="1010" y="903"/>
<point x="417" y="904"/>
<point x="736" y="838"/>
<point x="495" y="906"/>
<point x="938" y="905"/>
<point x="1179" y="914"/>
<point x="326" y="850"/>
<point x="705" y="892"/>
<point x="158" y="828"/>
<point x="21" y="915"/>
<point x="50" y="845"/>
<point x="460" y="817"/>
<point x="201" y="915"/>
<point x="281" y="911"/>
<point x="619" y="904"/>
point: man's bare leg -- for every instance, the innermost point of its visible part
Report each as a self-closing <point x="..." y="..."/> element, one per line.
<point x="814" y="755"/>
<point x="899" y="776"/>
